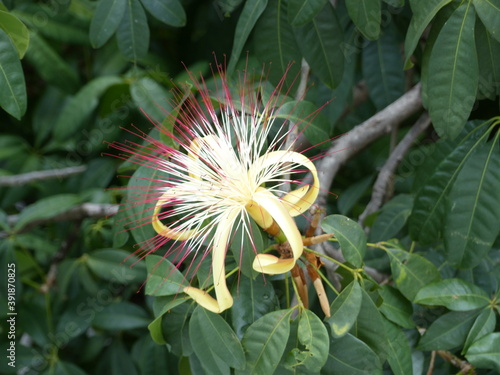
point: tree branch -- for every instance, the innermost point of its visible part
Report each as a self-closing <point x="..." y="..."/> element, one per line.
<point x="362" y="135"/>
<point x="28" y="178"/>
<point x="387" y="172"/>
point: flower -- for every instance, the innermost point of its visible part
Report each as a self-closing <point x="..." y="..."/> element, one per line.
<point x="230" y="169"/>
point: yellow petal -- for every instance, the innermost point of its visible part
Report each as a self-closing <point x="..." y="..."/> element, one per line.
<point x="267" y="263"/>
<point x="162" y="229"/>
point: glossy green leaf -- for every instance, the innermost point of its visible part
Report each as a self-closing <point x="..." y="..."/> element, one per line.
<point x="306" y="116"/>
<point x="161" y="306"/>
<point x="484" y="325"/>
<point x="411" y="272"/>
<point x="398" y="348"/>
<point x="121" y="316"/>
<point x="16" y="30"/>
<point x="489" y="13"/>
<point x="453" y="90"/>
<point x="473" y="212"/>
<point x="301" y="12"/>
<point x="455" y="294"/>
<point x="423" y="13"/>
<point x="350" y="355"/>
<point x="395" y="307"/>
<point x="79" y="108"/>
<point x="46" y="208"/>
<point x="13" y="98"/>
<point x="116" y="265"/>
<point x="313" y="335"/>
<point x="245" y="246"/>
<point x="351" y="237"/>
<point x="170" y="12"/>
<point x="366" y="15"/>
<point x="345" y="309"/>
<point x="163" y="277"/>
<point x="274" y="42"/>
<point x="264" y="342"/>
<point x="133" y="32"/>
<point x="392" y="218"/>
<point x="320" y="42"/>
<point x="383" y="68"/>
<point x="107" y="17"/>
<point x="485" y="353"/>
<point x="489" y="71"/>
<point x="152" y="98"/>
<point x="448" y="331"/>
<point x="246" y="22"/>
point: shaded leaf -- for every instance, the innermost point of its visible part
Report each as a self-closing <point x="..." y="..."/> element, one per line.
<point x="170" y="12"/>
<point x="395" y="307"/>
<point x="398" y="349"/>
<point x="163" y="277"/>
<point x="313" y="335"/>
<point x="133" y="32"/>
<point x="345" y="309"/>
<point x="489" y="71"/>
<point x="366" y="15"/>
<point x="392" y="218"/>
<point x="107" y="17"/>
<point x="484" y="325"/>
<point x="485" y="353"/>
<point x="489" y="13"/>
<point x="121" y="316"/>
<point x="301" y="12"/>
<point x="16" y="30"/>
<point x="116" y="265"/>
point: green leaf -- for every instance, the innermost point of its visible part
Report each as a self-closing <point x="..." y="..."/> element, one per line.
<point x="170" y="12"/>
<point x="121" y="316"/>
<point x="423" y="13"/>
<point x="306" y="116"/>
<point x="244" y="247"/>
<point x="489" y="71"/>
<point x="151" y="358"/>
<point x="175" y="326"/>
<point x="116" y="265"/>
<point x="473" y="212"/>
<point x="453" y="90"/>
<point x="152" y="98"/>
<point x="13" y="98"/>
<point x="301" y="12"/>
<point x="116" y="360"/>
<point x="105" y="21"/>
<point x="345" y="309"/>
<point x="133" y="32"/>
<point x="455" y="294"/>
<point x="351" y="237"/>
<point x="484" y="325"/>
<point x="67" y="368"/>
<point x="350" y="355"/>
<point x="398" y="348"/>
<point x="275" y="43"/>
<point x="46" y="208"/>
<point x="79" y="108"/>
<point x="320" y="42"/>
<point x="211" y="336"/>
<point x="164" y="278"/>
<point x="411" y="272"/>
<point x="448" y="331"/>
<point x="366" y="15"/>
<point x="485" y="353"/>
<point x="392" y="218"/>
<point x="265" y="341"/>
<point x="489" y="13"/>
<point x="16" y="30"/>
<point x="246" y="22"/>
<point x="395" y="307"/>
<point x="313" y="335"/>
<point x="383" y="68"/>
<point x="353" y="194"/>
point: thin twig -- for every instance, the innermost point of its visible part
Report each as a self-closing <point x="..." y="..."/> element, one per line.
<point x="28" y="178"/>
<point x="387" y="172"/>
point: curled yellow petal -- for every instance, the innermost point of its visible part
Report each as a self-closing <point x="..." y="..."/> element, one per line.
<point x="161" y="228"/>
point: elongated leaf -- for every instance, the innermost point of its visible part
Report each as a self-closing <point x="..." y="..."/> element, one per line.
<point x="133" y="32"/>
<point x="489" y="13"/>
<point x="275" y="43"/>
<point x="366" y="15"/>
<point x="453" y="89"/>
<point x="167" y="303"/>
<point x="489" y="71"/>
<point x="13" y="98"/>
<point x="301" y="12"/>
<point x="423" y="13"/>
<point x="351" y="237"/>
<point x="164" y="278"/>
<point x="398" y="348"/>
<point x="67" y="368"/>
<point x="411" y="272"/>
<point x="485" y="353"/>
<point x="210" y="334"/>
<point x="81" y="106"/>
<point x="264" y="342"/>
<point x="16" y="30"/>
<point x="448" y="331"/>
<point x="116" y="265"/>
<point x="484" y="325"/>
<point x="345" y="309"/>
<point x="349" y="355"/>
<point x="244" y="247"/>
<point x="152" y="98"/>
<point x="383" y="68"/>
<point x="313" y="335"/>
<point x="170" y="12"/>
<point x="455" y="294"/>
<point x="392" y="218"/>
<point x="121" y="316"/>
<point x="320" y="42"/>
<point x="175" y="327"/>
<point x="473" y="219"/>
<point x="107" y="17"/>
<point x="144" y="349"/>
<point x="395" y="307"/>
<point x="246" y="22"/>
